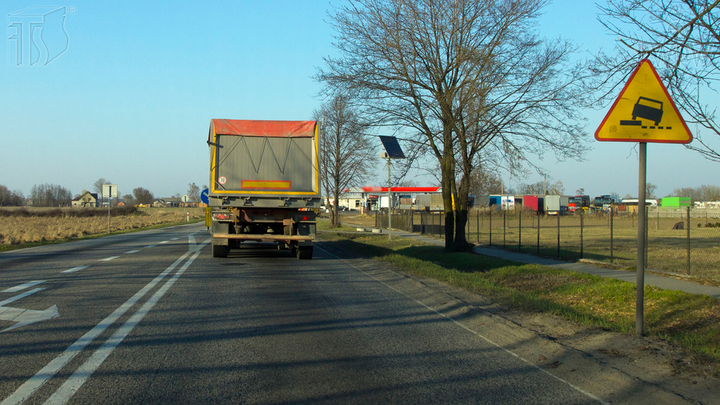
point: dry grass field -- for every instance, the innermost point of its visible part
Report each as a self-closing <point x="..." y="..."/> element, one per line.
<point x="33" y="226"/>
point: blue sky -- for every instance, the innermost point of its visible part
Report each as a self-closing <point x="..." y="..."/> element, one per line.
<point x="131" y="98"/>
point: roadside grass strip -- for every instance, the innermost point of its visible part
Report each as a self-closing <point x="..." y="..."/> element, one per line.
<point x="688" y="320"/>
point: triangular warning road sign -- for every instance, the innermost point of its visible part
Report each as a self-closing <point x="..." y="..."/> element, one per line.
<point x="644" y="112"/>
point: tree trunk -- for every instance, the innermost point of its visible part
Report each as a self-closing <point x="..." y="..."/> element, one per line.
<point x="336" y="216"/>
<point x="461" y="209"/>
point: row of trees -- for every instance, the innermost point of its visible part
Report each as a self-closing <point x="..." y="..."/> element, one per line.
<point x="702" y="193"/>
<point x="53" y="195"/>
<point x="471" y="85"/>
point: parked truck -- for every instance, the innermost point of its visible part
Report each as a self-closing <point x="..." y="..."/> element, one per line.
<point x="556" y="204"/>
<point x="264" y="184"/>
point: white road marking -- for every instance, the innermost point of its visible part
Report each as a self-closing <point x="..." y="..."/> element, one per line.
<point x="36" y="381"/>
<point x="596" y="398"/>
<point x="107" y="259"/>
<point x="149" y="246"/>
<point x="17" y="297"/>
<point x="25" y="317"/>
<point x="191" y="241"/>
<point x="165" y="241"/>
<point x="78" y="378"/>
<point x="22" y="286"/>
<point x="174" y="238"/>
<point x="74" y="269"/>
<point x="129" y="252"/>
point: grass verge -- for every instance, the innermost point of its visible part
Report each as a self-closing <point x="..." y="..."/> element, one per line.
<point x="690" y="321"/>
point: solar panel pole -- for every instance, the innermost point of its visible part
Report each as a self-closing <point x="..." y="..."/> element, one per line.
<point x="389" y="202"/>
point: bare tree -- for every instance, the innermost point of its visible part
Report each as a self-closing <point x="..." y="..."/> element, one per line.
<point x="347" y="154"/>
<point x="50" y="195"/>
<point x="11" y="198"/>
<point x="143" y="196"/>
<point x="461" y="77"/>
<point x="484" y="182"/>
<point x="98" y="185"/>
<point x="702" y="193"/>
<point x="128" y="199"/>
<point x="650" y="190"/>
<point x="556" y="188"/>
<point x="681" y="38"/>
<point x="193" y="192"/>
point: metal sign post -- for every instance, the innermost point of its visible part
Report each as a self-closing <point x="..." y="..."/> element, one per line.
<point x="109" y="191"/>
<point x="640" y="290"/>
<point x="643" y="112"/>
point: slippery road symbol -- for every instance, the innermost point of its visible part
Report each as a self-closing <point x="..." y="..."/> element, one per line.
<point x="648" y="109"/>
<point x="23" y="317"/>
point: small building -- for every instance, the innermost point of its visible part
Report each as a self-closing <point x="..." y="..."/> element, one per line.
<point x="167" y="202"/>
<point x="85" y="199"/>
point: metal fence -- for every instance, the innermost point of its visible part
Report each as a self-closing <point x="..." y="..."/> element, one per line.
<point x="684" y="240"/>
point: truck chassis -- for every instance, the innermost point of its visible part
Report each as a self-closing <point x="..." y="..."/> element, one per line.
<point x="291" y="228"/>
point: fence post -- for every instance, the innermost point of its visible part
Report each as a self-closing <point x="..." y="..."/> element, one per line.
<point x="582" y="223"/>
<point x="558" y="235"/>
<point x="688" y="240"/>
<point x="520" y="230"/>
<point x="538" y="234"/>
<point x="490" y="220"/>
<point x="504" y="226"/>
<point x="478" y="226"/>
<point x="612" y="222"/>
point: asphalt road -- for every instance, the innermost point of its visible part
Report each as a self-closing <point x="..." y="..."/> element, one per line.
<point x="152" y="318"/>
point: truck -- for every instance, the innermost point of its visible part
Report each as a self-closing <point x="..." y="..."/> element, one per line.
<point x="604" y="202"/>
<point x="264" y="184"/>
<point x="579" y="204"/>
<point x="534" y="202"/>
<point x="556" y="204"/>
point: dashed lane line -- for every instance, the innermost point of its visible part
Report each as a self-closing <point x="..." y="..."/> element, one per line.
<point x="74" y="269"/>
<point x="22" y="286"/>
<point x="129" y="252"/>
<point x="107" y="259"/>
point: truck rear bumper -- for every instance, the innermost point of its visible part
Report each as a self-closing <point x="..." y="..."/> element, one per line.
<point x="265" y="237"/>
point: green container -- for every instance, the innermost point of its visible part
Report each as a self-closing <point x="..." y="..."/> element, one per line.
<point x="675" y="202"/>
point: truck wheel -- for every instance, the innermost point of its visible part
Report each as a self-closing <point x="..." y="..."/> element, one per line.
<point x="305" y="253"/>
<point x="220" y="250"/>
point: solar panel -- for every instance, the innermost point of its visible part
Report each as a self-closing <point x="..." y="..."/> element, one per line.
<point x="392" y="147"/>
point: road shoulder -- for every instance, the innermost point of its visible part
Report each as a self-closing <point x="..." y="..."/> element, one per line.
<point x="615" y="367"/>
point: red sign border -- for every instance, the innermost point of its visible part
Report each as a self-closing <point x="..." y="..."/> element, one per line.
<point x="672" y="103"/>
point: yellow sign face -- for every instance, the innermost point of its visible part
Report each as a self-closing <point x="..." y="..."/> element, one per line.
<point x="644" y="112"/>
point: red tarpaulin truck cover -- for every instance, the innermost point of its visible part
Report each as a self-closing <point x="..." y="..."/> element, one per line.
<point x="287" y="129"/>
